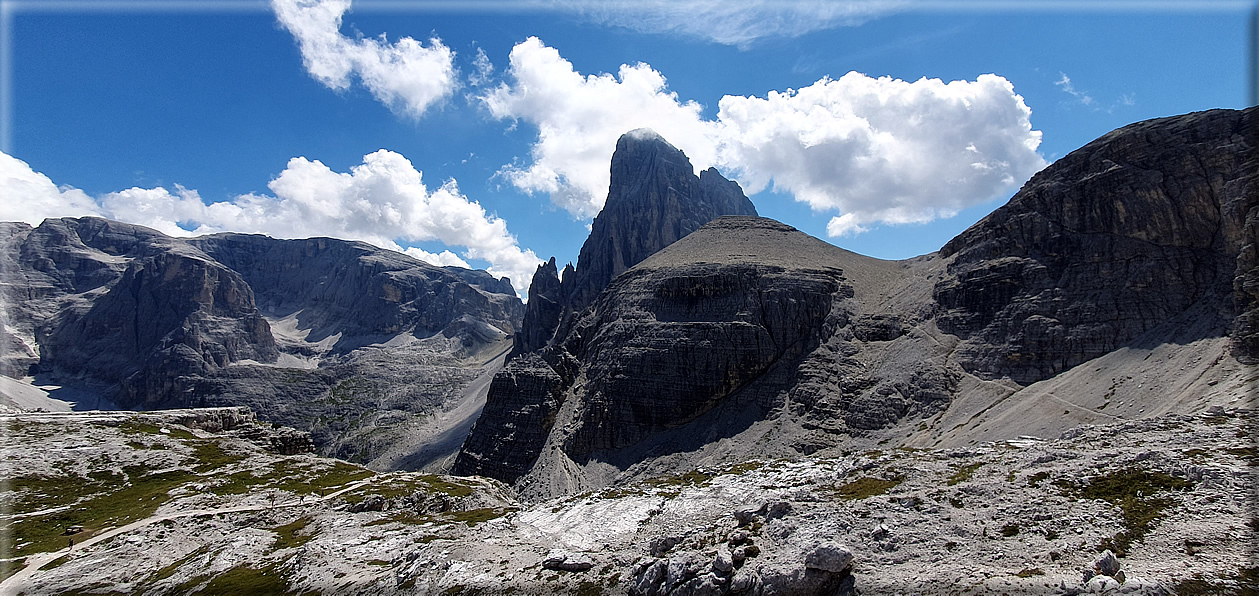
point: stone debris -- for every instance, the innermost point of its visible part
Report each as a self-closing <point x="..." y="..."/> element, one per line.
<point x="562" y="560"/>
<point x="781" y="527"/>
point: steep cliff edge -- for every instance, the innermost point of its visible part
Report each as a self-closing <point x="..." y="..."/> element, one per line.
<point x="654" y="199"/>
<point x="1110" y="241"/>
<point x="357" y="290"/>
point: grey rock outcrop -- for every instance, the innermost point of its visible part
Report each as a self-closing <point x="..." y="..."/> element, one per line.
<point x="676" y="335"/>
<point x="1121" y="235"/>
<point x="744" y="317"/>
<point x="359" y="291"/>
<point x="128" y="306"/>
<point x="654" y="199"/>
<point x="519" y="413"/>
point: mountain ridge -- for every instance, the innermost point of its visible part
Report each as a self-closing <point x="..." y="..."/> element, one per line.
<point x="889" y="350"/>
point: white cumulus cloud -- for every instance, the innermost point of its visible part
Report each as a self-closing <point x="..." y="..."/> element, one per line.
<point x="30" y="196"/>
<point x="383" y="201"/>
<point x="406" y="75"/>
<point x="579" y="119"/>
<point x="876" y="150"/>
<point x="882" y="150"/>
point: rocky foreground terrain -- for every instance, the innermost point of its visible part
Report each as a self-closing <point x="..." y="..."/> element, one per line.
<point x="201" y="502"/>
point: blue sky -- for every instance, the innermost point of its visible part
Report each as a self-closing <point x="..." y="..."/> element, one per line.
<point x="149" y="111"/>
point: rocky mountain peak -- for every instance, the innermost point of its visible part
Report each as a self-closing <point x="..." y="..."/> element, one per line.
<point x="654" y="199"/>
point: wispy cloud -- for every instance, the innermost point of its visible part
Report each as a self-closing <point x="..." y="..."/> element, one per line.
<point x="1064" y="82"/>
<point x="738" y="22"/>
<point x="1087" y="100"/>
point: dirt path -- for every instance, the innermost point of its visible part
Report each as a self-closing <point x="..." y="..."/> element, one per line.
<point x="18" y="581"/>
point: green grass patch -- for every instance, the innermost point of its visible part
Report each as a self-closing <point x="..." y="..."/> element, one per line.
<point x="96" y="589"/>
<point x="589" y="588"/>
<point x="101" y="502"/>
<point x="294" y="476"/>
<point x="866" y="487"/>
<point x="470" y="517"/>
<point x="247" y="580"/>
<point x="8" y="568"/>
<point x="169" y="570"/>
<point x="290" y="535"/>
<point x="53" y="564"/>
<point x="1134" y="492"/>
<point x="744" y="467"/>
<point x="393" y="488"/>
<point x="692" y="478"/>
<point x="1248" y="454"/>
<point x="136" y="427"/>
<point x="1244" y="583"/>
<point x="964" y="473"/>
<point x="211" y="456"/>
<point x="1196" y="453"/>
<point x="453" y="489"/>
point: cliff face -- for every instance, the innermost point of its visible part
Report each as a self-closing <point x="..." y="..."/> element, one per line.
<point x="355" y="289"/>
<point x="125" y="305"/>
<point x="674" y="336"/>
<point x="1119" y="236"/>
<point x="749" y="339"/>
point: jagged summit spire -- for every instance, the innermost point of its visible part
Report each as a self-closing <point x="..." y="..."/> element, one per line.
<point x="654" y="199"/>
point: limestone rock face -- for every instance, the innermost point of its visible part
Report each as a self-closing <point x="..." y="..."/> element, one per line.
<point x="654" y="199"/>
<point x="136" y="308"/>
<point x="547" y="302"/>
<point x="1115" y="238"/>
<point x="671" y="338"/>
<point x="743" y="317"/>
<point x="515" y="423"/>
<point x="358" y="290"/>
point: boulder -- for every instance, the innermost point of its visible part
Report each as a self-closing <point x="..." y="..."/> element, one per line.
<point x="563" y="560"/>
<point x="829" y="556"/>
